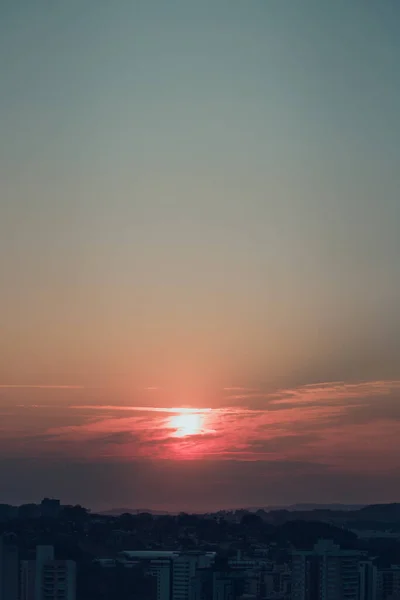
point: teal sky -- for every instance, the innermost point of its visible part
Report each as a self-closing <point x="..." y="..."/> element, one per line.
<point x="220" y="176"/>
<point x="198" y="194"/>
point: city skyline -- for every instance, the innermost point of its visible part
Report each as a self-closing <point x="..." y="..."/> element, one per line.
<point x="199" y="247"/>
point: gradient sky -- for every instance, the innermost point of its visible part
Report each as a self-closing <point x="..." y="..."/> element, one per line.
<point x="199" y="208"/>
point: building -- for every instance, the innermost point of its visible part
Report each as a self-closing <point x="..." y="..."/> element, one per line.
<point x="201" y="585"/>
<point x="160" y="568"/>
<point x="46" y="578"/>
<point x="223" y="586"/>
<point x="388" y="583"/>
<point x="325" y="573"/>
<point x="27" y="580"/>
<point x="174" y="569"/>
<point x="184" y="568"/>
<point x="9" y="567"/>
<point x="158" y="563"/>
<point x="368" y="580"/>
<point x="50" y="508"/>
<point x="54" y="579"/>
<point x="119" y="579"/>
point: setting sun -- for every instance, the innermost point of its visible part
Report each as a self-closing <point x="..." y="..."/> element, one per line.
<point x="186" y="424"/>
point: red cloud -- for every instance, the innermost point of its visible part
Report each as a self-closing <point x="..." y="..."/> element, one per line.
<point x="347" y="426"/>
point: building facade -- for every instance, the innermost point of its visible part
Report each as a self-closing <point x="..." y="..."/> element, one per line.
<point x="9" y="567"/>
<point x="326" y="573"/>
<point x="184" y="569"/>
<point x="388" y="583"/>
<point x="368" y="580"/>
<point x="46" y="578"/>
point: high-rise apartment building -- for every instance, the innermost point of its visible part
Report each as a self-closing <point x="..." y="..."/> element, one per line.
<point x="157" y="563"/>
<point x="201" y="586"/>
<point x="388" y="583"/>
<point x="368" y="580"/>
<point x="161" y="570"/>
<point x="184" y="568"/>
<point x="27" y="580"/>
<point x="325" y="573"/>
<point x="9" y="567"/>
<point x="174" y="570"/>
<point x="223" y="587"/>
<point x="46" y="578"/>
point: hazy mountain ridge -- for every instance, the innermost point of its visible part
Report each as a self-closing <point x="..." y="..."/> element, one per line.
<point x="308" y="507"/>
<point x="379" y="512"/>
<point x="115" y="512"/>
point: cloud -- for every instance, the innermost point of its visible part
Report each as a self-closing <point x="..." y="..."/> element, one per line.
<point x="241" y="389"/>
<point x="142" y="409"/>
<point x="17" y="386"/>
<point x="339" y="390"/>
<point x="348" y="426"/>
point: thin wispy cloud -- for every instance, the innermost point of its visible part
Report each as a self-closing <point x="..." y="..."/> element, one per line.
<point x="240" y="389"/>
<point x="347" y="426"/>
<point x="18" y="386"/>
<point x="157" y="409"/>
<point x="339" y="390"/>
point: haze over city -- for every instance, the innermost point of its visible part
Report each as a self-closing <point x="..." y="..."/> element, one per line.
<point x="199" y="252"/>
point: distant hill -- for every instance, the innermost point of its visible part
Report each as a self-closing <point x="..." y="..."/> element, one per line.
<point x="115" y="512"/>
<point x="381" y="512"/>
<point x="338" y="513"/>
<point x="304" y="534"/>
<point x="378" y="516"/>
<point x="307" y="507"/>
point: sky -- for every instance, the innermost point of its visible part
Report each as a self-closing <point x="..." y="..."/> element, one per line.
<point x="199" y="218"/>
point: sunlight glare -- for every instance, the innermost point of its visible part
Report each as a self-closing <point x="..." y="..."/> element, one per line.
<point x="186" y="424"/>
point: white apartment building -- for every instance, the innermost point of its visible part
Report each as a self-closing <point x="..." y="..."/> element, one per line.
<point x="325" y="573"/>
<point x="184" y="568"/>
<point x="46" y="578"/>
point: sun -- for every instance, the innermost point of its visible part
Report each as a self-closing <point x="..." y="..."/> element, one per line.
<point x="186" y="424"/>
